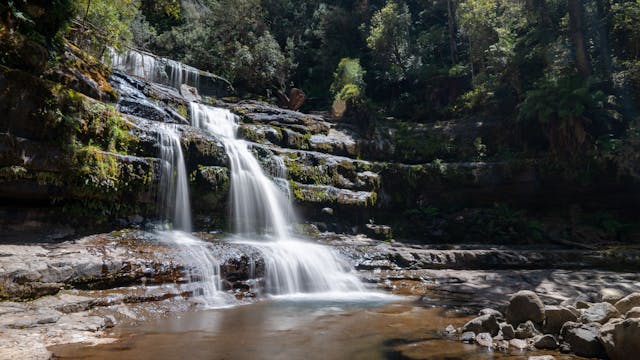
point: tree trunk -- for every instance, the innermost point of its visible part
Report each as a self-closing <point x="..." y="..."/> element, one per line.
<point x="453" y="48"/>
<point x="576" y="32"/>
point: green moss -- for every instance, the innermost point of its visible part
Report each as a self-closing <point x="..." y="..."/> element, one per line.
<point x="308" y="174"/>
<point x="11" y="173"/>
<point x="250" y="134"/>
<point x="296" y="190"/>
<point x="182" y="110"/>
<point x="49" y="178"/>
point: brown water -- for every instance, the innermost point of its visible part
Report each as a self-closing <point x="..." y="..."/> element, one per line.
<point x="295" y="330"/>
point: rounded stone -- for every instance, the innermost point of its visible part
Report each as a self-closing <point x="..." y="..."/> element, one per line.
<point x="547" y="342"/>
<point x="628" y="302"/>
<point x="525" y="305"/>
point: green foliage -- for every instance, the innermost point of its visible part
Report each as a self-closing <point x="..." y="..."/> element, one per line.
<point x="110" y="19"/>
<point x="389" y="40"/>
<point x="348" y="81"/>
<point x="558" y="99"/>
<point x="626" y="17"/>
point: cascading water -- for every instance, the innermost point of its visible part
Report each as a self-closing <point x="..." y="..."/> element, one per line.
<point x="258" y="206"/>
<point x="173" y="198"/>
<point x="153" y="68"/>
<point x="262" y="211"/>
<point x="173" y="191"/>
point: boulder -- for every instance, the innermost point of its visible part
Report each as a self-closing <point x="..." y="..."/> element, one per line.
<point x="621" y="339"/>
<point x="599" y="313"/>
<point x="525" y="305"/>
<point x="526" y="330"/>
<point x="555" y="317"/>
<point x="583" y="339"/>
<point x="541" y="357"/>
<point x="628" y="302"/>
<point x="507" y="331"/>
<point x="633" y="313"/>
<point x="484" y="339"/>
<point x="547" y="342"/>
<point x="296" y="99"/>
<point x="484" y="323"/>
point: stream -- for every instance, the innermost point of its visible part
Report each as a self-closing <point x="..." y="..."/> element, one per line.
<point x="286" y="329"/>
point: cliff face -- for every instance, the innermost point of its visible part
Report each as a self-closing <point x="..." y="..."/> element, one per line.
<point x="79" y="153"/>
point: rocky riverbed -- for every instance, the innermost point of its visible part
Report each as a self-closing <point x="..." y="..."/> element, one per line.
<point x="72" y="292"/>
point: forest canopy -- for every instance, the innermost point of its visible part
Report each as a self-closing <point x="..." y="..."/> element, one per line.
<point x="565" y="72"/>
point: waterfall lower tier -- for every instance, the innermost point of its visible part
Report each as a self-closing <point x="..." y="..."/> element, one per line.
<point x="202" y="268"/>
<point x="294" y="267"/>
<point x="262" y="210"/>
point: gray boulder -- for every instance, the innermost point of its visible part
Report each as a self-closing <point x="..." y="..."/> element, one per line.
<point x="547" y="342"/>
<point x="621" y="339"/>
<point x="628" y="302"/>
<point x="525" y="305"/>
<point x="599" y="313"/>
<point x="484" y="323"/>
<point x="583" y="339"/>
<point x="556" y="316"/>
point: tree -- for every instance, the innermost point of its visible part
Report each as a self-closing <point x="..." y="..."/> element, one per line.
<point x="576" y="34"/>
<point x="108" y="21"/>
<point x="389" y="40"/>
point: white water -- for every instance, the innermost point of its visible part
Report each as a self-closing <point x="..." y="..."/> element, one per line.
<point x="173" y="192"/>
<point x="262" y="214"/>
<point x="258" y="206"/>
<point x="153" y="68"/>
<point x="173" y="196"/>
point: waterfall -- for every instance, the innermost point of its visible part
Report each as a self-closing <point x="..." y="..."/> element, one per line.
<point x="173" y="199"/>
<point x="262" y="213"/>
<point x="173" y="191"/>
<point x="258" y="207"/>
<point x="153" y="68"/>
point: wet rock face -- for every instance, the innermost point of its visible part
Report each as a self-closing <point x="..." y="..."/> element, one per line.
<point x="525" y="305"/>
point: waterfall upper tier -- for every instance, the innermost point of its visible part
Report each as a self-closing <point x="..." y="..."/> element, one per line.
<point x="167" y="72"/>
